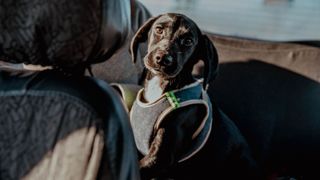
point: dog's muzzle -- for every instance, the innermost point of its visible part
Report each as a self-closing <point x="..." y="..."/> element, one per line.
<point x="163" y="59"/>
<point x="162" y="63"/>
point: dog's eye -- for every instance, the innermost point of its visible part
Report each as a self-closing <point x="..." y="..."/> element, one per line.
<point x="159" y="30"/>
<point x="186" y="42"/>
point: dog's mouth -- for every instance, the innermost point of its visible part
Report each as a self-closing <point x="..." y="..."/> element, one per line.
<point x="153" y="69"/>
<point x="164" y="71"/>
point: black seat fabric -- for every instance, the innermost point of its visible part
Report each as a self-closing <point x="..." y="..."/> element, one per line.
<point x="63" y="127"/>
<point x="65" y="33"/>
<point x="123" y="70"/>
<point x="271" y="90"/>
<point x="55" y="125"/>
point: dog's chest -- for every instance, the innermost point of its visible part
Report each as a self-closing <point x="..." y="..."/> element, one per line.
<point x="153" y="90"/>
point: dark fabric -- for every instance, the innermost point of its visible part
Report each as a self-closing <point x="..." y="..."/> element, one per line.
<point x="271" y="90"/>
<point x="62" y="33"/>
<point x="225" y="156"/>
<point x="119" y="68"/>
<point x="27" y="136"/>
<point x="40" y="110"/>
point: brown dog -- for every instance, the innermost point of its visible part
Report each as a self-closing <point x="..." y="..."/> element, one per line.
<point x="172" y="116"/>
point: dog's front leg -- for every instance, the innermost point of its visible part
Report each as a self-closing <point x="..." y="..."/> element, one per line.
<point x="161" y="154"/>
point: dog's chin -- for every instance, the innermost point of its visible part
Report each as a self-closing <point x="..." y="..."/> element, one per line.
<point x="161" y="72"/>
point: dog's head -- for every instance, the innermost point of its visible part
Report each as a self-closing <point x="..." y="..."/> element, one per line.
<point x="174" y="43"/>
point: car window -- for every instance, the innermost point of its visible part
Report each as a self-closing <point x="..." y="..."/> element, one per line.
<point x="280" y="20"/>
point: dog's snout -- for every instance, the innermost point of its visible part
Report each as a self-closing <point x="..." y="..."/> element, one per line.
<point x="158" y="58"/>
<point x="167" y="60"/>
<point x="163" y="59"/>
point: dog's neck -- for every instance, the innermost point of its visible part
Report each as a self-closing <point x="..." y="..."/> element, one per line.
<point x="155" y="86"/>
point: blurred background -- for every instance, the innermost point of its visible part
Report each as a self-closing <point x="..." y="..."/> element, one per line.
<point x="277" y="20"/>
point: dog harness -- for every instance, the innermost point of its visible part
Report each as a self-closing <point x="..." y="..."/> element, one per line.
<point x="146" y="118"/>
<point x="127" y="92"/>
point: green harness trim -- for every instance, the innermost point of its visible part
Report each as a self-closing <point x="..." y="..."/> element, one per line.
<point x="174" y="102"/>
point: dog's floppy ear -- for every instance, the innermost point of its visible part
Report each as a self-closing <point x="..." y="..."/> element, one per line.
<point x="208" y="54"/>
<point x="141" y="36"/>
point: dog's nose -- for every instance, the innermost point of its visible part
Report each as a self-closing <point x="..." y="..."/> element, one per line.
<point x="165" y="59"/>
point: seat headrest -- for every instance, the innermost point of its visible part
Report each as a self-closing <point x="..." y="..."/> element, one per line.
<point x="62" y="33"/>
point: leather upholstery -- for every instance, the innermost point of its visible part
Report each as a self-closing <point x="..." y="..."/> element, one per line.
<point x="271" y="91"/>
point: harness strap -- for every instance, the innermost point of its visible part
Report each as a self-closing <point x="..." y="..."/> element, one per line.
<point x="172" y="100"/>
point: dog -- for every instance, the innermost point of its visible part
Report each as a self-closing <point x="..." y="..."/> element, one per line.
<point x="180" y="133"/>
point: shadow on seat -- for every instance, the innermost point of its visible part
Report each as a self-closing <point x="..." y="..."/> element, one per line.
<point x="276" y="110"/>
<point x="63" y="127"/>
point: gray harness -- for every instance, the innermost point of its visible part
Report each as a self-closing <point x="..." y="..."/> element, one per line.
<point x="146" y="117"/>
